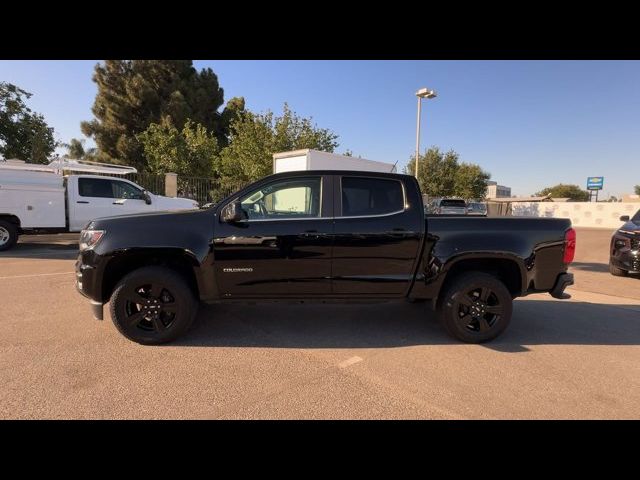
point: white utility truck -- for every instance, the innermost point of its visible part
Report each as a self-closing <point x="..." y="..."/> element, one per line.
<point x="308" y="159"/>
<point x="41" y="199"/>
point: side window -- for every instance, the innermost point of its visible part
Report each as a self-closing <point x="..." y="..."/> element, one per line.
<point x="371" y="196"/>
<point x="292" y="198"/>
<point x="95" y="187"/>
<point x="125" y="190"/>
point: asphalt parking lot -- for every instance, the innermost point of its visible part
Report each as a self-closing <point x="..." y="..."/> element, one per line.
<point x="576" y="358"/>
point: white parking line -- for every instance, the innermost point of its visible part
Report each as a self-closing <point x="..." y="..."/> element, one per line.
<point x="349" y="361"/>
<point x="37" y="275"/>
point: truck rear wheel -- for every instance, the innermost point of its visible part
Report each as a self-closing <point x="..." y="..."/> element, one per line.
<point x="153" y="305"/>
<point x="476" y="307"/>
<point x="8" y="235"/>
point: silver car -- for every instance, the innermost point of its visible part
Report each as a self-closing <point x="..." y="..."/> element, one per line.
<point x="476" y="208"/>
<point x="448" y="206"/>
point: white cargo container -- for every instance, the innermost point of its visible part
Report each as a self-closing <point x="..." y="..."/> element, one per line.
<point x="308" y="159"/>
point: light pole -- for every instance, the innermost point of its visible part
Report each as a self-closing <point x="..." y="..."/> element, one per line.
<point x="422" y="93"/>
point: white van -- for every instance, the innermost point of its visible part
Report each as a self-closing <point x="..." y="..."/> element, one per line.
<point x="39" y="199"/>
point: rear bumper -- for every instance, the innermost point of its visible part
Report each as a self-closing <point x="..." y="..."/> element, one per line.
<point x="563" y="281"/>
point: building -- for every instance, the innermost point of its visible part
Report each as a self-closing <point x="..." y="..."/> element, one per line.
<point x="630" y="198"/>
<point x="497" y="191"/>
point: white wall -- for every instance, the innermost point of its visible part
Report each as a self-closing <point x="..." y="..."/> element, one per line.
<point x="582" y="214"/>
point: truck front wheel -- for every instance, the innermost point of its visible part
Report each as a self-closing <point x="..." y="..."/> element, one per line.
<point x="153" y="305"/>
<point x="476" y="307"/>
<point x="8" y="235"/>
<point x="617" y="272"/>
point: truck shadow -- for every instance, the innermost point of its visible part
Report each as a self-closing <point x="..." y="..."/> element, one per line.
<point x="535" y="322"/>
<point x="590" y="267"/>
<point x="64" y="246"/>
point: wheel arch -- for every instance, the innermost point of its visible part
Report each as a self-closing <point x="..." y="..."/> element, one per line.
<point x="506" y="268"/>
<point x="124" y="263"/>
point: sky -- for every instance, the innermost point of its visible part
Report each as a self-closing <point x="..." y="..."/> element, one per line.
<point x="531" y="124"/>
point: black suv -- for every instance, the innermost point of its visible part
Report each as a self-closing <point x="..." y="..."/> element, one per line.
<point x="625" y="247"/>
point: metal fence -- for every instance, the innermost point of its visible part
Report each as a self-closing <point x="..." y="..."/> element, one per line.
<point x="206" y="190"/>
<point x="152" y="182"/>
<point x="149" y="181"/>
<point x="202" y="189"/>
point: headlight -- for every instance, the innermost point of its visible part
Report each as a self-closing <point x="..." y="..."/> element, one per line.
<point x="89" y="238"/>
<point x="626" y="231"/>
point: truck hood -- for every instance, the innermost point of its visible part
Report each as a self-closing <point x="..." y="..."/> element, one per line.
<point x="170" y="203"/>
<point x="188" y="230"/>
<point x="631" y="227"/>
<point x="158" y="219"/>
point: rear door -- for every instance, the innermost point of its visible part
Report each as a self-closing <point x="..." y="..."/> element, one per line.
<point x="378" y="230"/>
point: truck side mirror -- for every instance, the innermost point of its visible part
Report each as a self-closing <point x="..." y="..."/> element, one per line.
<point x="232" y="212"/>
<point x="624" y="218"/>
<point x="146" y="197"/>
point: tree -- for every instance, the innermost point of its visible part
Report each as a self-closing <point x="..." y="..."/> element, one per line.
<point x="471" y="181"/>
<point x="23" y="134"/>
<point x="254" y="138"/>
<point x="75" y="149"/>
<point x="191" y="151"/>
<point x="637" y="189"/>
<point x="572" y="192"/>
<point x="441" y="175"/>
<point x="133" y="94"/>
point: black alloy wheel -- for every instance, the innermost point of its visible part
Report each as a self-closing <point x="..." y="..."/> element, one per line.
<point x="153" y="305"/>
<point x="476" y="307"/>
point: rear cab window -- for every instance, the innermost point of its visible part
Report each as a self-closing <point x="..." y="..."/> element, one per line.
<point x="370" y="196"/>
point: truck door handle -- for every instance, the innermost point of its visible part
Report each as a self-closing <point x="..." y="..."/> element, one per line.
<point x="117" y="203"/>
<point x="81" y="201"/>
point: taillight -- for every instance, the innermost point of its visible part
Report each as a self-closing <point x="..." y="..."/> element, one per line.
<point x="569" y="245"/>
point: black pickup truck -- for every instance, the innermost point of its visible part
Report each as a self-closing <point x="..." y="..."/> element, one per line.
<point x="321" y="236"/>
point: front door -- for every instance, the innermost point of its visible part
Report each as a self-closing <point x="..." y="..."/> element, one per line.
<point x="377" y="236"/>
<point x="105" y="197"/>
<point x="283" y="246"/>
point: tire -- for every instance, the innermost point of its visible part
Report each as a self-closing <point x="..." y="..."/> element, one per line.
<point x="153" y="305"/>
<point x="617" y="272"/>
<point x="8" y="235"/>
<point x="476" y="307"/>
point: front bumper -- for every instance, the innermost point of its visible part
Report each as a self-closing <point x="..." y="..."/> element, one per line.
<point x="88" y="283"/>
<point x="563" y="281"/>
<point x="628" y="261"/>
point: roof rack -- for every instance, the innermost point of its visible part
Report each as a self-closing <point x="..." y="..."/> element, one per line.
<point x="59" y="165"/>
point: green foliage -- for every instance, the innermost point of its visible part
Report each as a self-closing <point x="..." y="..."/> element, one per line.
<point x="442" y="175"/>
<point x="637" y="189"/>
<point x="573" y="192"/>
<point x="133" y="94"/>
<point x="191" y="151"/>
<point x="23" y="134"/>
<point x="254" y="138"/>
<point x="75" y="149"/>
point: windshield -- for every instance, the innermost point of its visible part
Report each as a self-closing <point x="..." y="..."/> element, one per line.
<point x="453" y="203"/>
<point x="636" y="218"/>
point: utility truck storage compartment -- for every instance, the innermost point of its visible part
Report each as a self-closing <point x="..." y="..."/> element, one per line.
<point x="308" y="159"/>
<point x="37" y="198"/>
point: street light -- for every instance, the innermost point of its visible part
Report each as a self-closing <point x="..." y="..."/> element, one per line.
<point x="422" y="93"/>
